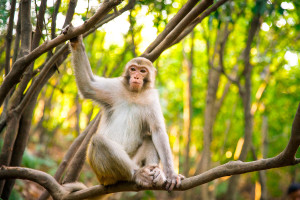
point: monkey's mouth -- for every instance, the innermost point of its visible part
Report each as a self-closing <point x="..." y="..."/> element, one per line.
<point x="136" y="82"/>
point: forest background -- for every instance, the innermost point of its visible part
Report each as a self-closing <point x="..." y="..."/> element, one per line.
<point x="245" y="53"/>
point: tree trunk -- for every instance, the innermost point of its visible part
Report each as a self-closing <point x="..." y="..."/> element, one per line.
<point x="262" y="174"/>
<point x="187" y="113"/>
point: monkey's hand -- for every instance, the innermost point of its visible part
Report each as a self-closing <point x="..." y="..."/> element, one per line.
<point x="159" y="177"/>
<point x="172" y="180"/>
<point x="68" y="29"/>
<point x="149" y="176"/>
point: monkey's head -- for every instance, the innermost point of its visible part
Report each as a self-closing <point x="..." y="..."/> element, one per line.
<point x="139" y="74"/>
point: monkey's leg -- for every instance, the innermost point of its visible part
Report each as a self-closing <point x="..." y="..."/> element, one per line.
<point x="112" y="164"/>
<point x="109" y="160"/>
<point x="147" y="156"/>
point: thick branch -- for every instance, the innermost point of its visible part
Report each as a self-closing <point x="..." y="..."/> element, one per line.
<point x="198" y="20"/>
<point x="172" y="24"/>
<point x="169" y="39"/>
<point x="37" y="176"/>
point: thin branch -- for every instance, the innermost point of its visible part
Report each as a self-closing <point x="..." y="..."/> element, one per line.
<point x="9" y="36"/>
<point x="54" y="16"/>
<point x="39" y="25"/>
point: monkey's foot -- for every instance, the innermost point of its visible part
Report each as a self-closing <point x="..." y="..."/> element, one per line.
<point x="145" y="176"/>
<point x="150" y="176"/>
<point x="159" y="177"/>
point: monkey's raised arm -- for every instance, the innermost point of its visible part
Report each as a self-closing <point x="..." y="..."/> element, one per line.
<point x="90" y="86"/>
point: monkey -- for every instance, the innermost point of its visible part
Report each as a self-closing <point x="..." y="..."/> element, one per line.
<point x="131" y="138"/>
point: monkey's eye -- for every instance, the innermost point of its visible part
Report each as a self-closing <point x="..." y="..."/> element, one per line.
<point x="143" y="70"/>
<point x="132" y="69"/>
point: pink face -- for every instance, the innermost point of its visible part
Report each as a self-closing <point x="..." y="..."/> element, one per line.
<point x="137" y="76"/>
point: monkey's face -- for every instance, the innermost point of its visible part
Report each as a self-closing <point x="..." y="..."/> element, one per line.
<point x="138" y="75"/>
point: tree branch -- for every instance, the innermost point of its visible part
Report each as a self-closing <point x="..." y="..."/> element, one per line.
<point x="42" y="178"/>
<point x="186" y="20"/>
<point x="198" y="20"/>
<point x="172" y="24"/>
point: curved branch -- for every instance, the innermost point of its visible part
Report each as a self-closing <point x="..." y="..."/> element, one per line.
<point x="42" y="178"/>
<point x="21" y="64"/>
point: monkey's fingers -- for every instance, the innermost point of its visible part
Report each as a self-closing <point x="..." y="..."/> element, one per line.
<point x="147" y="175"/>
<point x="173" y="183"/>
<point x="149" y="172"/>
<point x="160" y="179"/>
<point x="156" y="174"/>
<point x="181" y="176"/>
<point x="178" y="180"/>
<point x="142" y="181"/>
<point x="168" y="184"/>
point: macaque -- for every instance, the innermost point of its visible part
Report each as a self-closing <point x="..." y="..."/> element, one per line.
<point x="131" y="138"/>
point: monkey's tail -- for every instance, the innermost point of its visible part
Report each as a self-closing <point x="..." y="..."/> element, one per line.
<point x="76" y="186"/>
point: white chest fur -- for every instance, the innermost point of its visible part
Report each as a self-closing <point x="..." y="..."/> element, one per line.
<point x="124" y="125"/>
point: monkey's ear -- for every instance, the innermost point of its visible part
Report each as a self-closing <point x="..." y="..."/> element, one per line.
<point x="155" y="71"/>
